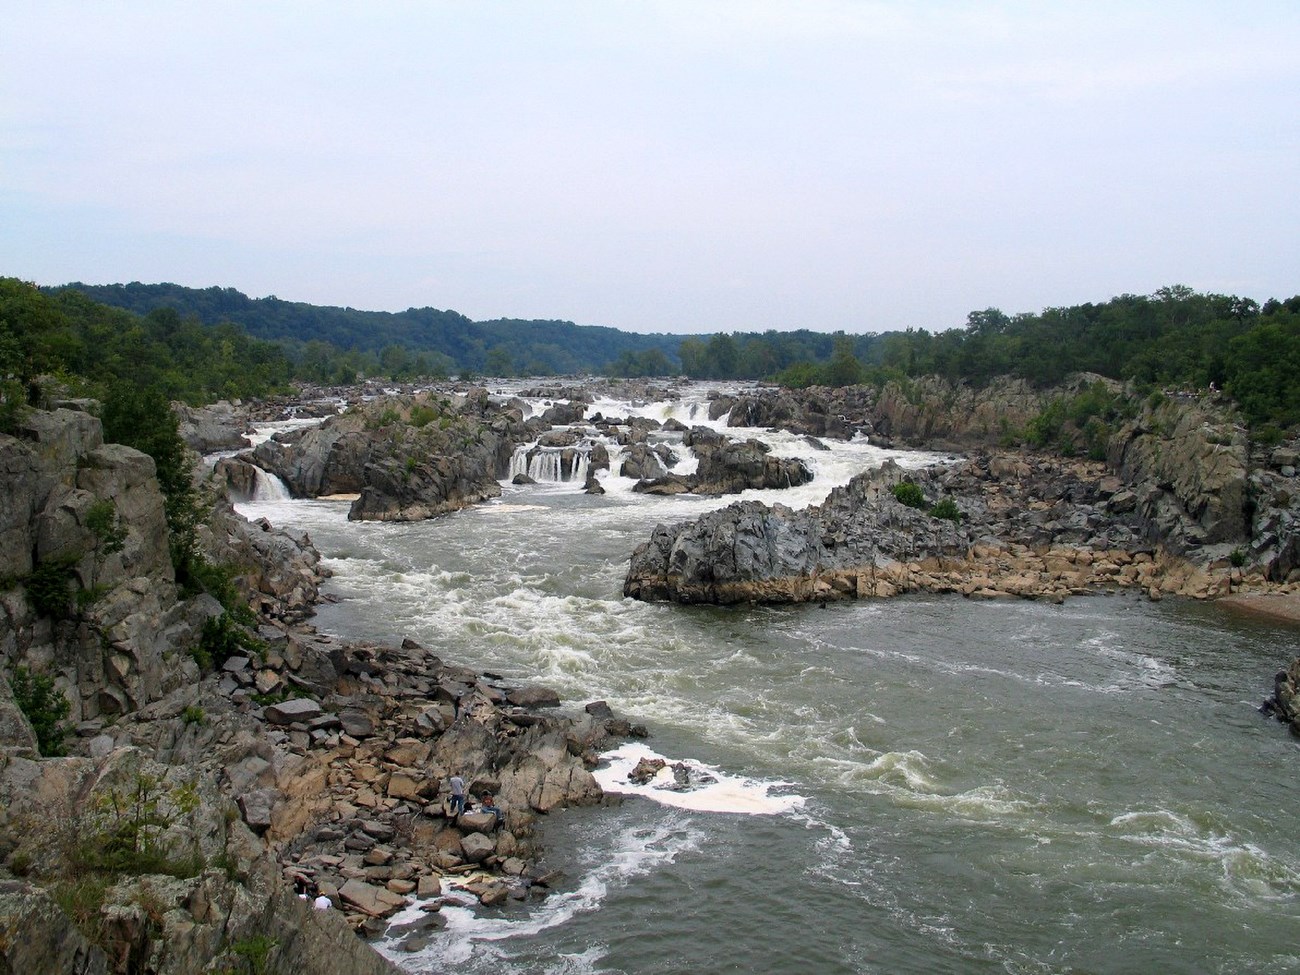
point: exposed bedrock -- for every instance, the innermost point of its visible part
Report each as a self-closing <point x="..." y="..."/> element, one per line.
<point x="406" y="457"/>
<point x="1029" y="526"/>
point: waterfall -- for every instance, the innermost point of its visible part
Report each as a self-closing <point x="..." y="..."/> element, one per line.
<point x="546" y="464"/>
<point x="268" y="487"/>
<point x="519" y="460"/>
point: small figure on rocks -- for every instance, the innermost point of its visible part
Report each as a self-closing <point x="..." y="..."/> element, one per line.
<point x="322" y="903"/>
<point x="488" y="804"/>
<point x="457" y="805"/>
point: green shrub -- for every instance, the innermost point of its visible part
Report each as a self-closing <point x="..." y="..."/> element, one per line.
<point x="103" y="521"/>
<point x="81" y="897"/>
<point x="946" y="509"/>
<point x="1096" y="436"/>
<point x="1046" y="426"/>
<point x="222" y="638"/>
<point x="255" y="951"/>
<point x="49" y="588"/>
<point x="129" y="832"/>
<point x="219" y="582"/>
<point x="193" y="714"/>
<point x="1269" y="435"/>
<point x="908" y="493"/>
<point x="45" y="708"/>
<point x="422" y="416"/>
<point x="13" y="404"/>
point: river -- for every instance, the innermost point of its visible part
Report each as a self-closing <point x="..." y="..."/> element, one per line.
<point x="925" y="784"/>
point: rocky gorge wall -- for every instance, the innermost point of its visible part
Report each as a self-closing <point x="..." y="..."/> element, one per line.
<point x="1181" y="495"/>
<point x="194" y="796"/>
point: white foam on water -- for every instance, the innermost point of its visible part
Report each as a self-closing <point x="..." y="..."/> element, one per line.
<point x="263" y="432"/>
<point x="268" y="487"/>
<point x="1243" y="868"/>
<point x="712" y="791"/>
<point x="470" y="936"/>
<point x="498" y="507"/>
<point x="905" y="778"/>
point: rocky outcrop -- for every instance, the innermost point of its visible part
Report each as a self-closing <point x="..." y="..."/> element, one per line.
<point x="924" y="412"/>
<point x="1180" y="482"/>
<point x="643" y="462"/>
<point x="90" y="597"/>
<point x="1036" y="528"/>
<point x="219" y="426"/>
<point x="160" y="909"/>
<point x="345" y="788"/>
<point x="299" y="757"/>
<point x="818" y="412"/>
<point x="1187" y="464"/>
<point x="728" y="466"/>
<point x="1284" y="703"/>
<point x="406" y="457"/>
<point x="280" y="569"/>
<point x="933" y="412"/>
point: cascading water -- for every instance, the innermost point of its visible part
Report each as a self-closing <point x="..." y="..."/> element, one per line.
<point x="268" y="487"/>
<point x="547" y="464"/>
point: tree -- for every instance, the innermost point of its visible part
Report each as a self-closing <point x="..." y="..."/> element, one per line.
<point x="499" y="362"/>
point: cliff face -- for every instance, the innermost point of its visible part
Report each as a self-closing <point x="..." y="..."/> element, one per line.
<point x="406" y="457"/>
<point x="1179" y="493"/>
<point x="169" y="840"/>
<point x="932" y="411"/>
<point x="85" y="536"/>
<point x="927" y="411"/>
<point x="1188" y="465"/>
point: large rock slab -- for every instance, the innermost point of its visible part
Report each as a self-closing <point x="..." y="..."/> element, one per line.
<point x="372" y="900"/>
<point x="298" y="709"/>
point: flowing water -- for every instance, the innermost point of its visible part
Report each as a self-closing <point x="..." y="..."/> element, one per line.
<point x="926" y="784"/>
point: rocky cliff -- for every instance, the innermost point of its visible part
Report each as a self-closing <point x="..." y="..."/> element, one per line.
<point x="213" y="764"/>
<point x="1180" y="505"/>
<point x="405" y="457"/>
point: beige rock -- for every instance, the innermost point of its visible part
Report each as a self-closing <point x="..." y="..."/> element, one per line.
<point x="372" y="900"/>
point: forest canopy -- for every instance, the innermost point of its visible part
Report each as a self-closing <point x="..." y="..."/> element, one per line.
<point x="1174" y="337"/>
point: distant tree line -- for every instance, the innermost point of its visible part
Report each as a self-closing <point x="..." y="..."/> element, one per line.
<point x="328" y="342"/>
<point x="93" y="347"/>
<point x="1174" y="337"/>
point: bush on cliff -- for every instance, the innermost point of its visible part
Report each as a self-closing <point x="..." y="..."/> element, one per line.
<point x="908" y="493"/>
<point x="946" y="509"/>
<point x="49" y="588"/>
<point x="45" y="708"/>
<point x="221" y="639"/>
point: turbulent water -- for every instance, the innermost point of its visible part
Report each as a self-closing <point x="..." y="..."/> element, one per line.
<point x="924" y="784"/>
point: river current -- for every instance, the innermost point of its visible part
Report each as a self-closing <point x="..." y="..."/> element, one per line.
<point x="924" y="784"/>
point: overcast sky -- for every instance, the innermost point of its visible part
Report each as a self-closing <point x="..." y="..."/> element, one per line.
<point x="657" y="166"/>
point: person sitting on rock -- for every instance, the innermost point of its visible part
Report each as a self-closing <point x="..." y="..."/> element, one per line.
<point x="488" y="804"/>
<point x="457" y="805"/>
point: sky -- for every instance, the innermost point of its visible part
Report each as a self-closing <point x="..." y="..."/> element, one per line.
<point x="700" y="166"/>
